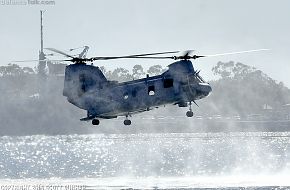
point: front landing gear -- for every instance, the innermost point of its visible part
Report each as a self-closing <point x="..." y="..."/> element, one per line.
<point x="189" y="113"/>
<point x="127" y="121"/>
<point x="95" y="122"/>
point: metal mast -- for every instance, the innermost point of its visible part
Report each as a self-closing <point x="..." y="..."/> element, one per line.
<point x="42" y="63"/>
<point x="41" y="32"/>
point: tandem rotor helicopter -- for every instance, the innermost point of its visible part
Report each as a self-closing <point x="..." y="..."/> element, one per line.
<point x="86" y="87"/>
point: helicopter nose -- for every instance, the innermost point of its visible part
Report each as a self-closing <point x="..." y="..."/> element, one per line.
<point x="205" y="88"/>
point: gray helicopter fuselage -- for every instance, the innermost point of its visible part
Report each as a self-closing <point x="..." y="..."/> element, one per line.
<point x="86" y="87"/>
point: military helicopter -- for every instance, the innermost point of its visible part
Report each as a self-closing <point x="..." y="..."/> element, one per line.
<point x="86" y="87"/>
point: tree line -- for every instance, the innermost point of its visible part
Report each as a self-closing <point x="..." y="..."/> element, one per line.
<point x="239" y="87"/>
<point x="33" y="105"/>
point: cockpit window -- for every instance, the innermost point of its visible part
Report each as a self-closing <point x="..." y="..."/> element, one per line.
<point x="195" y="78"/>
<point x="200" y="78"/>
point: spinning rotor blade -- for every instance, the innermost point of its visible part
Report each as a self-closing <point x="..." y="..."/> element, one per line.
<point x="238" y="52"/>
<point x="158" y="53"/>
<point x="132" y="56"/>
<point x="76" y="59"/>
<point x="60" y="52"/>
<point x="36" y="60"/>
<point x="145" y="57"/>
<point x="23" y="61"/>
<point x="33" y="60"/>
<point x="187" y="55"/>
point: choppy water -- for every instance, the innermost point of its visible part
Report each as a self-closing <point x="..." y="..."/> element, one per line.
<point x="148" y="160"/>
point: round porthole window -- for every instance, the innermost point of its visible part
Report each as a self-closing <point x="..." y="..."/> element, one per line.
<point x="126" y="96"/>
<point x="151" y="93"/>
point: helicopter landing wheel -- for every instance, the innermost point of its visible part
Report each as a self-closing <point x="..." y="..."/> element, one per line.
<point x="95" y="122"/>
<point x="189" y="113"/>
<point x="127" y="122"/>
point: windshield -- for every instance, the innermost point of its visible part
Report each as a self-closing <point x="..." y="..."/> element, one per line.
<point x="195" y="78"/>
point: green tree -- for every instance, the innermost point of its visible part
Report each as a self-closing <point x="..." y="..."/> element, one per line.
<point x="28" y="70"/>
<point x="120" y="74"/>
<point x="11" y="70"/>
<point x="138" y="72"/>
<point x="242" y="89"/>
<point x="232" y="70"/>
<point x="155" y="70"/>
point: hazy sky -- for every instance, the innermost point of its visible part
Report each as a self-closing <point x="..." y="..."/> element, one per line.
<point x="124" y="27"/>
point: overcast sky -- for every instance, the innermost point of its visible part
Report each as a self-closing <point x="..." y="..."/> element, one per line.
<point x="124" y="27"/>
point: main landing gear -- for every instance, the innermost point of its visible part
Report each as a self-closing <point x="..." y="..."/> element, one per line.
<point x="189" y="113"/>
<point x="95" y="122"/>
<point x="127" y="121"/>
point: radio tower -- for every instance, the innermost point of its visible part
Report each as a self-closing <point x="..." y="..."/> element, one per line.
<point x="42" y="59"/>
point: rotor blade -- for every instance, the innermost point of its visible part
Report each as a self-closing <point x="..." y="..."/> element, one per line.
<point x="171" y="57"/>
<point x="130" y="57"/>
<point x="36" y="60"/>
<point x="23" y="61"/>
<point x="59" y="60"/>
<point x="109" y="58"/>
<point x="238" y="52"/>
<point x="60" y="52"/>
<point x="158" y="53"/>
<point x="133" y="56"/>
<point x="185" y="57"/>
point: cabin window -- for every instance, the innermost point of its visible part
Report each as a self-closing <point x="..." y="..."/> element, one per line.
<point x="167" y="83"/>
<point x="125" y="96"/>
<point x="151" y="90"/>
